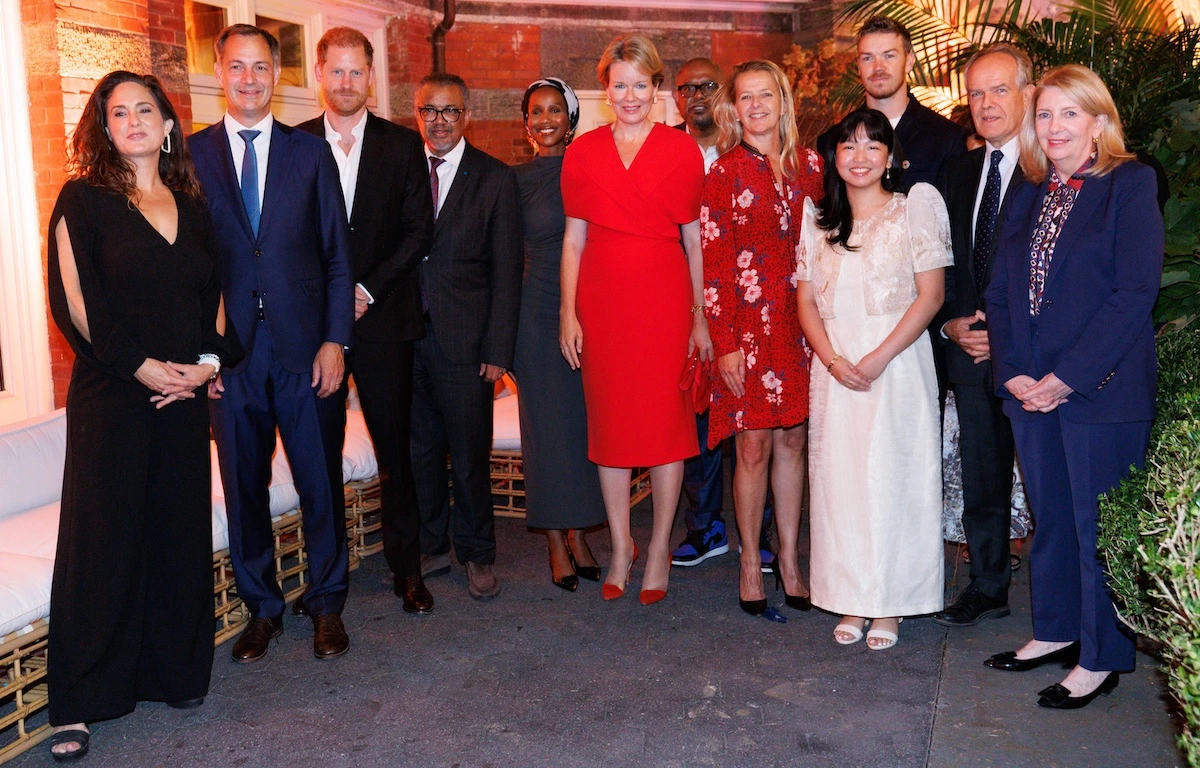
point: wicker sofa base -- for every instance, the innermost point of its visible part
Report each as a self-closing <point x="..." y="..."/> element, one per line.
<point x="22" y="688"/>
<point x="508" y="484"/>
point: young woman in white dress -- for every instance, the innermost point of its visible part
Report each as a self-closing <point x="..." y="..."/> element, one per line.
<point x="870" y="270"/>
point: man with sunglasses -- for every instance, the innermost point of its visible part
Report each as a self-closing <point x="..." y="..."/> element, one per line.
<point x="470" y="285"/>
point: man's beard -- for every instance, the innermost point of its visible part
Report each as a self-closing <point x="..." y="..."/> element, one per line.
<point x="702" y="123"/>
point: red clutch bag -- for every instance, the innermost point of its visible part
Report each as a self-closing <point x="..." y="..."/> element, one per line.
<point x="695" y="379"/>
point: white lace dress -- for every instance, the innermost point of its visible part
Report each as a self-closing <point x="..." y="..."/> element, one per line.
<point x="875" y="457"/>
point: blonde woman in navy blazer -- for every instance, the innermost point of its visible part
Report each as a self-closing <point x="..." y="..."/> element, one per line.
<point x="1069" y="308"/>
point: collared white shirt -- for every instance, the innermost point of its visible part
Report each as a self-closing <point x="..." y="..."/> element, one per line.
<point x="262" y="149"/>
<point x="1008" y="164"/>
<point x="710" y="152"/>
<point x="447" y="170"/>
<point x="347" y="163"/>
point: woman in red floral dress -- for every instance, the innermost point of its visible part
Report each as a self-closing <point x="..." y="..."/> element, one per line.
<point x="750" y="219"/>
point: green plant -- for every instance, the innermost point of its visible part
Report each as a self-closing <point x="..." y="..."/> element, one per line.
<point x="1149" y="532"/>
<point x="1177" y="147"/>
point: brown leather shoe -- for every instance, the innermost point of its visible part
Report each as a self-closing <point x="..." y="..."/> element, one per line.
<point x="256" y="639"/>
<point x="416" y="597"/>
<point x="329" y="636"/>
<point x="482" y="583"/>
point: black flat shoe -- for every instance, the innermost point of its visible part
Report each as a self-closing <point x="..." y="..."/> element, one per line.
<point x="74" y="735"/>
<point x="1059" y="696"/>
<point x="1008" y="662"/>
<point x="799" y="602"/>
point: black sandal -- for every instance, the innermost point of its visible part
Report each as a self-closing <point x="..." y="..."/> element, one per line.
<point x="73" y="736"/>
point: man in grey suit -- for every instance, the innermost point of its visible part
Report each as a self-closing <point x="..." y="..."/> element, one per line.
<point x="470" y="290"/>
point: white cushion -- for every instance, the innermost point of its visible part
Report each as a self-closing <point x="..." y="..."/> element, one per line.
<point x="33" y="532"/>
<point x="358" y="452"/>
<point x="24" y="590"/>
<point x="32" y="454"/>
<point x="506" y="425"/>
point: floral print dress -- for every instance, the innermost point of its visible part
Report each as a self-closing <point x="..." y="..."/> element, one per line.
<point x="750" y="230"/>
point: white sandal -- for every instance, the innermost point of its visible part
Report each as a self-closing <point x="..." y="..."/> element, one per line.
<point x="882" y="634"/>
<point x="855" y="633"/>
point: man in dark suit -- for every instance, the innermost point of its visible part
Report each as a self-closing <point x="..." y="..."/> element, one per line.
<point x="471" y="291"/>
<point x="976" y="186"/>
<point x="927" y="140"/>
<point x="279" y="223"/>
<point x="386" y="190"/>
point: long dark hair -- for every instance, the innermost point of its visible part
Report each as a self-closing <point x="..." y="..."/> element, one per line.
<point x="92" y="157"/>
<point x="834" y="214"/>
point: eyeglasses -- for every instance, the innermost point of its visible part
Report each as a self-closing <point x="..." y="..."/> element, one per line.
<point x="688" y="90"/>
<point x="449" y="114"/>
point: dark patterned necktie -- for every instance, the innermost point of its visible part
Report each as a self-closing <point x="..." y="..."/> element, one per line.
<point x="985" y="221"/>
<point x="434" y="185"/>
<point x="250" y="179"/>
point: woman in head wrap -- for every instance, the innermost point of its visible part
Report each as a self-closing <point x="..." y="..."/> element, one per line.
<point x="562" y="488"/>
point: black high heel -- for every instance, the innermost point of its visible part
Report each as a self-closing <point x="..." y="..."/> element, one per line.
<point x="799" y="602"/>
<point x="589" y="572"/>
<point x="753" y="607"/>
<point x="570" y="582"/>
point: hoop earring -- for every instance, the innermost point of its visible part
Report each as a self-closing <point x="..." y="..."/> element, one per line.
<point x="166" y="147"/>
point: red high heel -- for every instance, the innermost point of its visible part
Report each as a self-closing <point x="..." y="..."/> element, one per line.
<point x="651" y="596"/>
<point x="612" y="591"/>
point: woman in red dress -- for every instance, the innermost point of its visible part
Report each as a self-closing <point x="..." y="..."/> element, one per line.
<point x="750" y="216"/>
<point x="631" y="193"/>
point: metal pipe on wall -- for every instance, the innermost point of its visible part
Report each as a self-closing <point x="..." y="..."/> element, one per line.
<point x="439" y="36"/>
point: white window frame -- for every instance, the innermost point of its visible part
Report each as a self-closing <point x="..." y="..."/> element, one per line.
<point x="24" y="338"/>
<point x="291" y="104"/>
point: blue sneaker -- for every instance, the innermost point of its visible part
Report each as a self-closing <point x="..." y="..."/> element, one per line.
<point x="699" y="546"/>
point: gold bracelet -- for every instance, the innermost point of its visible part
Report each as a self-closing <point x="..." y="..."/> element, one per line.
<point x="696" y="308"/>
<point x="831" y="362"/>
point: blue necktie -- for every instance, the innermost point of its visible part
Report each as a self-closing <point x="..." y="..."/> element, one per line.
<point x="985" y="221"/>
<point x="250" y="179"/>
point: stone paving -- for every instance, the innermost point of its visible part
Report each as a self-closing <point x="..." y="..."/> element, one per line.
<point x="542" y="677"/>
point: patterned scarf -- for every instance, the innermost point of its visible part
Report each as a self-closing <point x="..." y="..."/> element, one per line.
<point x="1056" y="206"/>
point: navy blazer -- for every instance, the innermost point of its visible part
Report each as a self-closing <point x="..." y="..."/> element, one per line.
<point x="299" y="264"/>
<point x="959" y="185"/>
<point x="1095" y="330"/>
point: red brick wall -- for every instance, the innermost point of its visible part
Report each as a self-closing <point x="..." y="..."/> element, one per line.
<point x="169" y="30"/>
<point x="495" y="56"/>
<point x="729" y="48"/>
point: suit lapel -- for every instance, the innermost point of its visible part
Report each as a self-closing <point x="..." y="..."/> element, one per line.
<point x="965" y="206"/>
<point x="278" y="167"/>
<point x="466" y="170"/>
<point x="370" y="161"/>
<point x="230" y="184"/>
<point x="1094" y="190"/>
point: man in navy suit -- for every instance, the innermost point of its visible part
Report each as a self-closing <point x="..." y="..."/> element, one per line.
<point x="386" y="189"/>
<point x="976" y="185"/>
<point x="927" y="140"/>
<point x="279" y="223"/>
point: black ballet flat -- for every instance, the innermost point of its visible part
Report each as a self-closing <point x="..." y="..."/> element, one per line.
<point x="799" y="602"/>
<point x="1059" y="696"/>
<point x="589" y="572"/>
<point x="1008" y="662"/>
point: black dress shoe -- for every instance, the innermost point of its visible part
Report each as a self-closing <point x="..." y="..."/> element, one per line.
<point x="1059" y="696"/>
<point x="416" y="597"/>
<point x="1008" y="661"/>
<point x="256" y="639"/>
<point x="186" y="703"/>
<point x="329" y="636"/>
<point x="971" y="608"/>
<point x="298" y="606"/>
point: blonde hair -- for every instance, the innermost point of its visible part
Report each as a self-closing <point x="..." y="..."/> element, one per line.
<point x="1087" y="89"/>
<point x="635" y="49"/>
<point x="730" y="130"/>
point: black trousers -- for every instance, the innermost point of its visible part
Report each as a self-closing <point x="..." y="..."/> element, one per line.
<point x="383" y="375"/>
<point x="452" y="413"/>
<point x="986" y="442"/>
